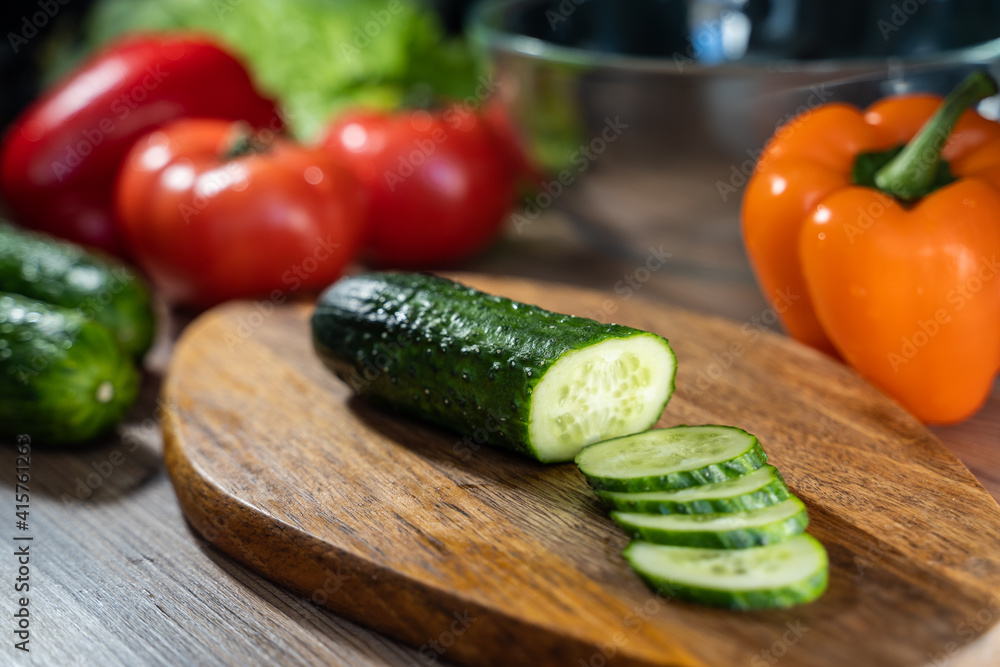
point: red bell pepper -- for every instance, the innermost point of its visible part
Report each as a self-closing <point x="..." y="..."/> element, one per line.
<point x="59" y="160"/>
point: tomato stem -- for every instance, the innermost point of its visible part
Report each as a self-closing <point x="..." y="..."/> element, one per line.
<point x="914" y="170"/>
<point x="244" y="141"/>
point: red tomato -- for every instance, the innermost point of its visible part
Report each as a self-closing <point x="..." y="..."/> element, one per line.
<point x="209" y="225"/>
<point x="439" y="183"/>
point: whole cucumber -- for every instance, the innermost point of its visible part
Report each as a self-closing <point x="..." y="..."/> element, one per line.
<point x="496" y="370"/>
<point x="64" y="274"/>
<point x="64" y="379"/>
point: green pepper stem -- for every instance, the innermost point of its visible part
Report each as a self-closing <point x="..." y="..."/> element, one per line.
<point x="911" y="173"/>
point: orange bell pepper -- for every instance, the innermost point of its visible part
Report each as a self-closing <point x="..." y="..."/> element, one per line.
<point x="892" y="248"/>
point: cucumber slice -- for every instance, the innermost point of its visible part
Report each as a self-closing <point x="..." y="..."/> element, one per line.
<point x="761" y="488"/>
<point x="738" y="530"/>
<point x="671" y="458"/>
<point x="771" y="577"/>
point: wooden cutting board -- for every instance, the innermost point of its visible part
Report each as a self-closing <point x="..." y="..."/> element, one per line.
<point x="484" y="558"/>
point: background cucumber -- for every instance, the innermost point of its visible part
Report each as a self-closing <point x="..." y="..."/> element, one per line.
<point x="760" y="488"/>
<point x="535" y="381"/>
<point x="63" y="378"/>
<point x="106" y="291"/>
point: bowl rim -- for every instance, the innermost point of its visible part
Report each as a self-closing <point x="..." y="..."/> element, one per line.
<point x="484" y="28"/>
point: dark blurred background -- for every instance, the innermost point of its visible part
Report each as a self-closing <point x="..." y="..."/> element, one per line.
<point x="41" y="38"/>
<point x="24" y="45"/>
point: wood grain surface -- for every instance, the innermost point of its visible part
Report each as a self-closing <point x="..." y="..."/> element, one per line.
<point x="484" y="558"/>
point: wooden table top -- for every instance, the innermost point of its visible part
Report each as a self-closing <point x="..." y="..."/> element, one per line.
<point x="119" y="578"/>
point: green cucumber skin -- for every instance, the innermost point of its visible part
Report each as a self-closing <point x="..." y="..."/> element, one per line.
<point x="44" y="268"/>
<point x="746" y="463"/>
<point x="741" y="538"/>
<point x="774" y="598"/>
<point x="436" y="350"/>
<point x="52" y="361"/>
<point x="771" y="494"/>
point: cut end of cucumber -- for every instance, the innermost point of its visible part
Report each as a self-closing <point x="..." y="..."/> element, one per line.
<point x="96" y="383"/>
<point x="616" y="387"/>
<point x="105" y="392"/>
<point x="778" y="575"/>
